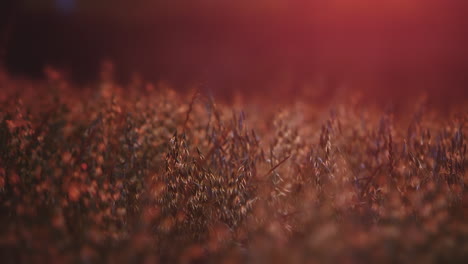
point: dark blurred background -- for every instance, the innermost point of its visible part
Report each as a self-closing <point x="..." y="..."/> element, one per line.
<point x="387" y="47"/>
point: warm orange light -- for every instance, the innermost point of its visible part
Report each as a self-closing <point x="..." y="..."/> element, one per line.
<point x="374" y="8"/>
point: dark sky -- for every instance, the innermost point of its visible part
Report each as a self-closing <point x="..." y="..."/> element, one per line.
<point x="390" y="44"/>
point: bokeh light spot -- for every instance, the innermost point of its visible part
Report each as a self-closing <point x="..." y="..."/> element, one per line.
<point x="65" y="6"/>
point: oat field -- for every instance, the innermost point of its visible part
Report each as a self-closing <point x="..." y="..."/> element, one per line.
<point x="107" y="174"/>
